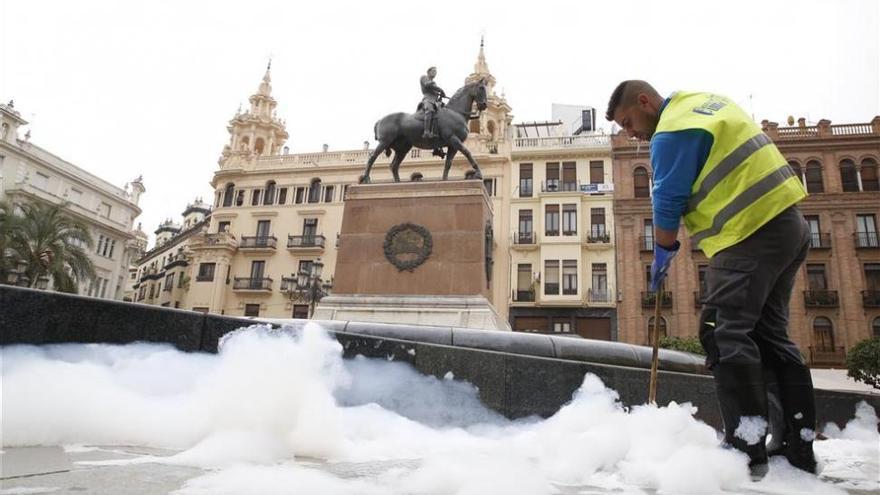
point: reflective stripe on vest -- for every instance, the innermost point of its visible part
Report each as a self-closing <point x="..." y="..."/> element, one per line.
<point x="726" y="166"/>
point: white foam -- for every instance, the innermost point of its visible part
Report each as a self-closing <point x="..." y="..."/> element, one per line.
<point x="269" y="399"/>
<point x="751" y="429"/>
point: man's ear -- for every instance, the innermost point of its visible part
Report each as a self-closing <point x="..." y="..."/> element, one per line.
<point x="644" y="102"/>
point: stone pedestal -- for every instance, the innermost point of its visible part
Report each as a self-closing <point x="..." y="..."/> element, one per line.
<point x="415" y="252"/>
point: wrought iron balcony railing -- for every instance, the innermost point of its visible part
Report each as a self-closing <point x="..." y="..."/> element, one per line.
<point x="649" y="299"/>
<point x="258" y="242"/>
<point x="821" y="299"/>
<point x="306" y="241"/>
<point x="247" y="283"/>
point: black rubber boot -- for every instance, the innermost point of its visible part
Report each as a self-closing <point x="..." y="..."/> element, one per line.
<point x="775" y="414"/>
<point x="742" y="397"/>
<point x="799" y="408"/>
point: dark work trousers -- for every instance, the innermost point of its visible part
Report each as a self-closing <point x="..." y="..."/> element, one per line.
<point x="749" y="286"/>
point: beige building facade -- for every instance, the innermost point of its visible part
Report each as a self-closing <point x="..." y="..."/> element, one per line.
<point x="31" y="173"/>
<point x="274" y="214"/>
<point x="836" y="299"/>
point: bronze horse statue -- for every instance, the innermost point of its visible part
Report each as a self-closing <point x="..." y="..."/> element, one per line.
<point x="400" y="131"/>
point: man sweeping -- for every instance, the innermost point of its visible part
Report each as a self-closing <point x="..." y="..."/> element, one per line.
<point x="715" y="168"/>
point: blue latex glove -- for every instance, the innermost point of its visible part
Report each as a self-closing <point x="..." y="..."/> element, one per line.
<point x="662" y="260"/>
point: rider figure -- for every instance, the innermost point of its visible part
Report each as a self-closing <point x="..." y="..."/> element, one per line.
<point x="431" y="101"/>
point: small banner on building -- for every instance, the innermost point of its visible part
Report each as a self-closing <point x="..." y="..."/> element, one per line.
<point x="597" y="188"/>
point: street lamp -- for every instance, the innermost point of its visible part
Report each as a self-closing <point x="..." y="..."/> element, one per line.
<point x="309" y="287"/>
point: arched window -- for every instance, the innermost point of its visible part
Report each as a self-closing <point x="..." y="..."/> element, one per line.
<point x="416" y="177"/>
<point x="245" y="143"/>
<point x="228" y="193"/>
<point x="651" y="329"/>
<point x="269" y="195"/>
<point x="259" y="144"/>
<point x="796" y="167"/>
<point x="315" y="191"/>
<point x="490" y="126"/>
<point x="474" y="126"/>
<point x="869" y="175"/>
<point x="875" y="327"/>
<point x="814" y="177"/>
<point x="641" y="184"/>
<point x="823" y="334"/>
<point x="848" y="176"/>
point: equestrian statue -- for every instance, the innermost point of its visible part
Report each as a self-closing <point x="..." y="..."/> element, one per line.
<point x="432" y="127"/>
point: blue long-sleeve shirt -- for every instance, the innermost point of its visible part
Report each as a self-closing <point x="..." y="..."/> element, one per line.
<point x="676" y="159"/>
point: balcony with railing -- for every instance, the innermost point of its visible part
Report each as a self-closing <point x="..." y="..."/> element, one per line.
<point x="866" y="240"/>
<point x="551" y="289"/>
<point x="262" y="243"/>
<point x="822" y="130"/>
<point x="649" y="299"/>
<point x="306" y="243"/>
<point x="820" y="241"/>
<point x="597" y="240"/>
<point x="598" y="296"/>
<point x="252" y="284"/>
<point x="590" y="141"/>
<point x="821" y="299"/>
<point x="176" y="260"/>
<point x="523" y="296"/>
<point x="827" y="356"/>
<point x="646" y="244"/>
<point x="871" y="298"/>
<point x="524" y="240"/>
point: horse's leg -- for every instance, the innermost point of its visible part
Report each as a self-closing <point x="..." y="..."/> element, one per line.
<point x="455" y="143"/>
<point x="375" y="154"/>
<point x="399" y="154"/>
<point x="450" y="154"/>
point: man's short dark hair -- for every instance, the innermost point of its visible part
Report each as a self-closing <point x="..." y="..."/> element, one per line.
<point x="626" y="93"/>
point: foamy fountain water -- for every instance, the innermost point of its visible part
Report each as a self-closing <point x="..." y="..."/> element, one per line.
<point x="274" y="411"/>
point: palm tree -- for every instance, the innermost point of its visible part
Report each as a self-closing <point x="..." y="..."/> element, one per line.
<point x="52" y="244"/>
<point x="8" y="224"/>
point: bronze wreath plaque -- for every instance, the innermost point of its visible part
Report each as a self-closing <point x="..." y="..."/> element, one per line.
<point x="408" y="245"/>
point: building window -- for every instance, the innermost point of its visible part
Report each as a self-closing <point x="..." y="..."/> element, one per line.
<point x="345" y="192"/>
<point x="814" y="177"/>
<point x="552" y="176"/>
<point x="489" y="184"/>
<point x="551" y="220"/>
<point x="255" y="197"/>
<point x="597" y="172"/>
<point x="310" y="230"/>
<point x="796" y="168"/>
<point x="569" y="277"/>
<point x="75" y="196"/>
<point x="849" y="178"/>
<point x="648" y="235"/>
<point x="701" y="280"/>
<point x="315" y="191"/>
<point x="866" y="231"/>
<point x="569" y="220"/>
<point x="227" y="194"/>
<point x="526" y="226"/>
<point x="252" y="310"/>
<point x="599" y="291"/>
<point x="524" y="282"/>
<point x="525" y="180"/>
<point x="569" y="176"/>
<point x="816" y="279"/>
<point x="258" y="268"/>
<point x="872" y="276"/>
<point x="301" y="311"/>
<point x="551" y="277"/>
<point x="648" y="280"/>
<point x="823" y="334"/>
<point x="641" y="183"/>
<point x="651" y="328"/>
<point x="869" y="175"/>
<point x="561" y="325"/>
<point x="305" y="266"/>
<point x="269" y="197"/>
<point x="112" y="247"/>
<point x="597" y="224"/>
<point x="169" y="282"/>
<point x="223" y="226"/>
<point x="300" y="194"/>
<point x="239" y="197"/>
<point x="282" y="195"/>
<point x="328" y="194"/>
<point x="813" y="223"/>
<point x="263" y="227"/>
<point x="40" y="181"/>
<point x="180" y="280"/>
<point x="875" y="327"/>
<point x="105" y="210"/>
<point x="206" y="272"/>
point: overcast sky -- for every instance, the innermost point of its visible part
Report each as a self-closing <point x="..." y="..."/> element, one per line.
<point x="129" y="88"/>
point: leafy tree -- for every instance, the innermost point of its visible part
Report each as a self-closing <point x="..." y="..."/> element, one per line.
<point x="863" y="362"/>
<point x="8" y="225"/>
<point x="51" y="243"/>
<point x="686" y="344"/>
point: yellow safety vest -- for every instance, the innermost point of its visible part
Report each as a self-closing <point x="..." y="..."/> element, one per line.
<point x="745" y="182"/>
